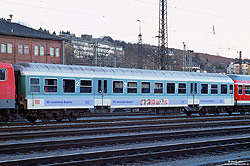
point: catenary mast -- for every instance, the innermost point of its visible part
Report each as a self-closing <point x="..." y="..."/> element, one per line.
<point x="163" y="35"/>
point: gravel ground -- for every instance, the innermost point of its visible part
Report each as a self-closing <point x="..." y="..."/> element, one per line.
<point x="204" y="160"/>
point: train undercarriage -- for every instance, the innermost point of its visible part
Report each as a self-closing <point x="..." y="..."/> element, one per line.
<point x="72" y="114"/>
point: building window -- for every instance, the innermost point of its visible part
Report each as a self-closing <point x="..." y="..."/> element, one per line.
<point x="145" y="87"/>
<point x="117" y="86"/>
<point x="41" y="50"/>
<point x="57" y="52"/>
<point x="204" y="88"/>
<point x="51" y="51"/>
<point x="3" y="48"/>
<point x="35" y="85"/>
<point x="240" y="89"/>
<point x="247" y="89"/>
<point x="69" y="86"/>
<point x="3" y="74"/>
<point x="132" y="87"/>
<point x="223" y="89"/>
<point x="36" y="50"/>
<point x="170" y="88"/>
<point x="182" y="88"/>
<point x="9" y="48"/>
<point x="214" y="88"/>
<point x="20" y="48"/>
<point x="26" y="49"/>
<point x="50" y="85"/>
<point x="158" y="88"/>
<point x="86" y="86"/>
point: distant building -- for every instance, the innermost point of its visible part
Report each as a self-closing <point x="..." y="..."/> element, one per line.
<point x="244" y="67"/>
<point x="230" y="68"/>
<point x="92" y="51"/>
<point x="23" y="44"/>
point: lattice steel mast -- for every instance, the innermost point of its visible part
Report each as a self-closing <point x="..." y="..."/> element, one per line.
<point x="163" y="35"/>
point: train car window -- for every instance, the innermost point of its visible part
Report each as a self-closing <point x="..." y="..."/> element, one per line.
<point x="132" y="87"/>
<point x="34" y="85"/>
<point x="223" y="89"/>
<point x="214" y="88"/>
<point x="145" y="87"/>
<point x="105" y="86"/>
<point x="182" y="88"/>
<point x="158" y="88"/>
<point x="204" y="88"/>
<point x="3" y="74"/>
<point x="240" y="89"/>
<point x="231" y="89"/>
<point x="50" y="86"/>
<point x="69" y="86"/>
<point x="247" y="89"/>
<point x="99" y="86"/>
<point x="117" y="86"/>
<point x="86" y="86"/>
<point x="170" y="88"/>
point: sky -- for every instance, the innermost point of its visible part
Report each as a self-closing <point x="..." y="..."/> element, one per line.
<point x="217" y="27"/>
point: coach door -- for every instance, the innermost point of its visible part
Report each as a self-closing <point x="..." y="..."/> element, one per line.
<point x="102" y="92"/>
<point x="193" y="99"/>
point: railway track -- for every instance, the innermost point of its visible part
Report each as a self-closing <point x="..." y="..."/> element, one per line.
<point x="116" y="122"/>
<point x="143" y="127"/>
<point x="127" y="155"/>
<point x="99" y="134"/>
<point x="107" y="140"/>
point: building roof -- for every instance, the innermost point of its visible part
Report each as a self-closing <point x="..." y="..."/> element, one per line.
<point x="14" y="29"/>
<point x="40" y="69"/>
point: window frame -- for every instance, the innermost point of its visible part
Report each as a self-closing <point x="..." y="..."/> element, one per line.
<point x="214" y="89"/>
<point x="36" y="53"/>
<point x="26" y="49"/>
<point x="81" y="86"/>
<point x="20" y="49"/>
<point x="41" y="51"/>
<point x="9" y="48"/>
<point x="52" y="51"/>
<point x="222" y="89"/>
<point x="136" y="88"/>
<point x="3" y="47"/>
<point x="149" y="87"/>
<point x="71" y="79"/>
<point x="39" y="85"/>
<point x="231" y="91"/>
<point x="113" y="90"/>
<point x="160" y="83"/>
<point x="5" y="74"/>
<point x="57" y="52"/>
<point x="202" y="92"/>
<point x="167" y="87"/>
<point x="182" y="88"/>
<point x="50" y="85"/>
<point x="247" y="89"/>
<point x="241" y="89"/>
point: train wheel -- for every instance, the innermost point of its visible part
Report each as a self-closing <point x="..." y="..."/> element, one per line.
<point x="32" y="119"/>
<point x="72" y="118"/>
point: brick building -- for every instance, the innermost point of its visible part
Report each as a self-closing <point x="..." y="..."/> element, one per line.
<point x="19" y="44"/>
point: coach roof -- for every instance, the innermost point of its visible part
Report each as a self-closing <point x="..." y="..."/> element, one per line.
<point x="108" y="72"/>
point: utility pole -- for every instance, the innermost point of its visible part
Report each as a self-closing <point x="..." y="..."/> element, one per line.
<point x="240" y="63"/>
<point x="184" y="56"/>
<point x="163" y="35"/>
<point x="139" y="57"/>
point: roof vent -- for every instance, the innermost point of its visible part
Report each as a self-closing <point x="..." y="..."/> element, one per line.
<point x="9" y="19"/>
